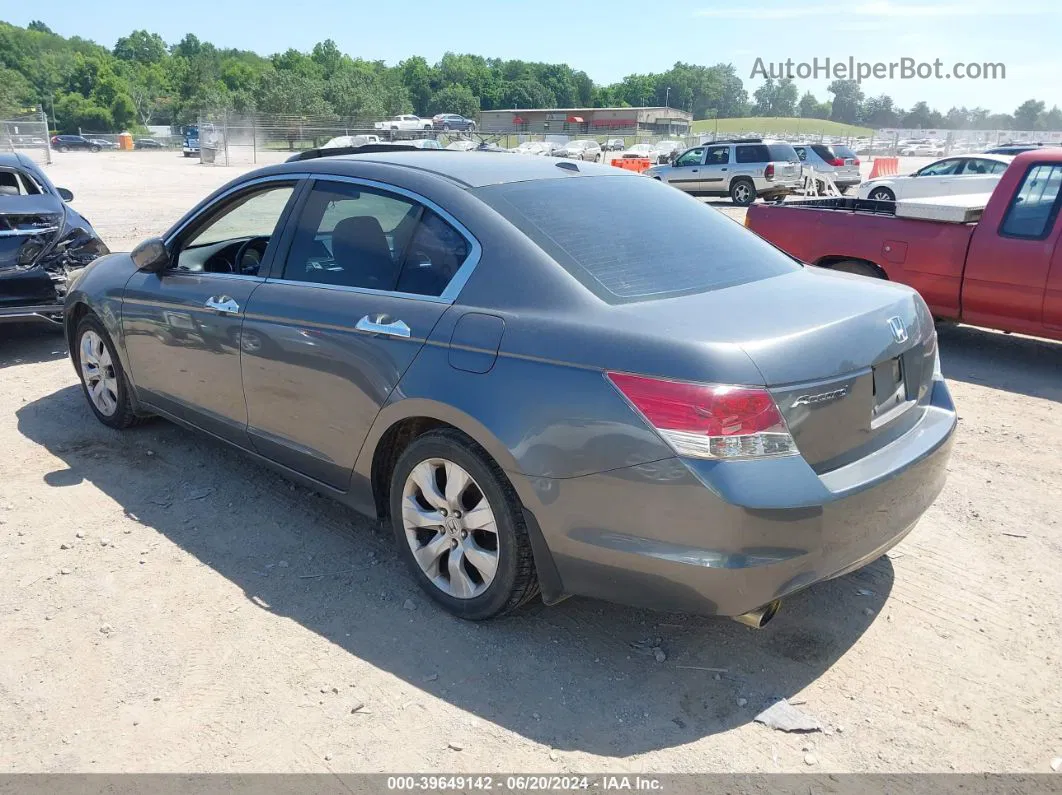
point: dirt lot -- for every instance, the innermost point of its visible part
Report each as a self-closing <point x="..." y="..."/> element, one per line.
<point x="170" y="606"/>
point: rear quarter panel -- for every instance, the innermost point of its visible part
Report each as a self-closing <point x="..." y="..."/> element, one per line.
<point x="925" y="255"/>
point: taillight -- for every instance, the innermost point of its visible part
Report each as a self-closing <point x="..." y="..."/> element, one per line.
<point x="855" y="161"/>
<point x="837" y="162"/>
<point x="709" y="420"/>
<point x="768" y="173"/>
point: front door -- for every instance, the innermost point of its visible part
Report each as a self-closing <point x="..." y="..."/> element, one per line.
<point x="182" y="326"/>
<point x="686" y="171"/>
<point x="716" y="172"/>
<point x="328" y="339"/>
<point x="1009" y="259"/>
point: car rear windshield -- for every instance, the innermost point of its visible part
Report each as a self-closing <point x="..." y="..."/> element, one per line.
<point x="629" y="239"/>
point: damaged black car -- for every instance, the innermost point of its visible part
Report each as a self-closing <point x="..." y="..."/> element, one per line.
<point x="43" y="242"/>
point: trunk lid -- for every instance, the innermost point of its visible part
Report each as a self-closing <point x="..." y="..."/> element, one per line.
<point x="848" y="359"/>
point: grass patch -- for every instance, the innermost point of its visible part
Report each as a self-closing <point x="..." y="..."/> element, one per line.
<point x="780" y="125"/>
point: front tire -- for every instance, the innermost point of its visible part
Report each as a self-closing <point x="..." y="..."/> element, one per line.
<point x="742" y="192"/>
<point x="102" y="378"/>
<point x="882" y="195"/>
<point x="459" y="526"/>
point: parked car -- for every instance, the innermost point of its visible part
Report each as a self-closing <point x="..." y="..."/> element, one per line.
<point x="947" y="177"/>
<point x="646" y="151"/>
<point x="347" y="141"/>
<point x="836" y="160"/>
<point x="423" y="143"/>
<point x="922" y="150"/>
<point x="452" y="121"/>
<point x="44" y="242"/>
<point x="613" y="145"/>
<point x="147" y="143"/>
<point x="1013" y="149"/>
<point x="997" y="272"/>
<point x="666" y="150"/>
<point x="537" y="148"/>
<point x="103" y="143"/>
<point x="404" y="122"/>
<point x="481" y="387"/>
<point x="67" y="143"/>
<point x="742" y="169"/>
<point x="462" y="146"/>
<point x="580" y="150"/>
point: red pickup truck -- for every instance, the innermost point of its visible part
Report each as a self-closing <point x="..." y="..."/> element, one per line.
<point x="1003" y="271"/>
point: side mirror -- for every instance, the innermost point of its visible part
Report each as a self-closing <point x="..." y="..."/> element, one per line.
<point x="151" y="255"/>
<point x="65" y="194"/>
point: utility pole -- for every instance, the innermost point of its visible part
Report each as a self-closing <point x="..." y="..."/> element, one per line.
<point x="667" y="97"/>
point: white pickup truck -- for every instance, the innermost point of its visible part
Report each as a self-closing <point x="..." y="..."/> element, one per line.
<point x="404" y="122"/>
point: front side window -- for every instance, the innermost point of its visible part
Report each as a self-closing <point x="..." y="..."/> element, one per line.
<point x="352" y="236"/>
<point x="1033" y="211"/>
<point x="694" y="157"/>
<point x="235" y="236"/>
<point x="942" y="169"/>
<point x="802" y="153"/>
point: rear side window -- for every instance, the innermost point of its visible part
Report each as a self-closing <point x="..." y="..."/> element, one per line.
<point x="628" y="239"/>
<point x="752" y="153"/>
<point x="843" y="151"/>
<point x="823" y="151"/>
<point x="1033" y="210"/>
<point x="783" y="152"/>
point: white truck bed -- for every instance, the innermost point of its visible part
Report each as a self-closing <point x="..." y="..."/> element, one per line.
<point x="962" y="209"/>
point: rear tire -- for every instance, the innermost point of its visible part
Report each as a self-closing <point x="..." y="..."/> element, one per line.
<point x="64" y="148"/>
<point x="95" y="149"/>
<point x="475" y="591"/>
<point x="742" y="192"/>
<point x="858" y="268"/>
<point x="103" y="380"/>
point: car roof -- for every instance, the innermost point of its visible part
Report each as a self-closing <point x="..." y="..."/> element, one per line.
<point x="16" y="160"/>
<point x="468" y="169"/>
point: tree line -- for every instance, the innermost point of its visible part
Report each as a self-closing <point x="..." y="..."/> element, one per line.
<point x="142" y="81"/>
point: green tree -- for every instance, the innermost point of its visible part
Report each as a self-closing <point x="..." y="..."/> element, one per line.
<point x="454" y="99"/>
<point x="288" y="92"/>
<point x="847" y="99"/>
<point x="141" y="47"/>
<point x="1052" y="119"/>
<point x="1027" y="116"/>
<point x="525" y="94"/>
<point x="39" y="27"/>
<point x="879" y="111"/>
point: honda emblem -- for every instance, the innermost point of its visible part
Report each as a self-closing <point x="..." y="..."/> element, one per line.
<point x="899" y="331"/>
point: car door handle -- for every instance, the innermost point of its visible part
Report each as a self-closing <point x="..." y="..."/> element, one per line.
<point x="722" y="169"/>
<point x="381" y="324"/>
<point x="694" y="171"/>
<point x="222" y="303"/>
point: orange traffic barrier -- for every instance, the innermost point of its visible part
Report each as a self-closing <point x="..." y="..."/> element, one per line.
<point x="638" y="164"/>
<point x="885" y="167"/>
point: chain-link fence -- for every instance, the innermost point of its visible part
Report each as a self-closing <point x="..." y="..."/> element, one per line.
<point x="231" y="139"/>
<point x="27" y="135"/>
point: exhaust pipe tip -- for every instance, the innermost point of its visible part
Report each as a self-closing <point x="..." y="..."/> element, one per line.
<point x="759" y="618"/>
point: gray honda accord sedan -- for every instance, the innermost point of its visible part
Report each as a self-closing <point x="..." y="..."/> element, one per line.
<point x="548" y="377"/>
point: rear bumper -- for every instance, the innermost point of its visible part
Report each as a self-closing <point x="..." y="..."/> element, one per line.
<point x="723" y="538"/>
<point x="778" y="186"/>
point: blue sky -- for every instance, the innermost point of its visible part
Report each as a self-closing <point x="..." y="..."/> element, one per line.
<point x="611" y="39"/>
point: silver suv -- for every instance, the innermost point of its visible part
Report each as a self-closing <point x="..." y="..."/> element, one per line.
<point x="837" y="160"/>
<point x="741" y="169"/>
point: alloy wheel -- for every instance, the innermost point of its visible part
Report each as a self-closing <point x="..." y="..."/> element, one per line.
<point x="450" y="528"/>
<point x="742" y="192"/>
<point x="101" y="381"/>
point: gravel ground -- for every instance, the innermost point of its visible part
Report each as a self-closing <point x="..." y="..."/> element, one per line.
<point x="170" y="606"/>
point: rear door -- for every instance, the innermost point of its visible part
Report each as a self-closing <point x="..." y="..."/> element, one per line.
<point x="1007" y="267"/>
<point x="367" y="275"/>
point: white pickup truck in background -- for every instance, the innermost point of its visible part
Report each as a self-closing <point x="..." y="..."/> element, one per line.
<point x="404" y="122"/>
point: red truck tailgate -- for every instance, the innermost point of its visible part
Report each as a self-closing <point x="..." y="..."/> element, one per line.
<point x="926" y="255"/>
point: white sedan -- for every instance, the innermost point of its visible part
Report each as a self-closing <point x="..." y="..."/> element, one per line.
<point x="948" y="177"/>
<point x="641" y="150"/>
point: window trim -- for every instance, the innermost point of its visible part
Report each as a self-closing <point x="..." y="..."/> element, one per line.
<point x="1052" y="216"/>
<point x="296" y="180"/>
<point x="453" y="289"/>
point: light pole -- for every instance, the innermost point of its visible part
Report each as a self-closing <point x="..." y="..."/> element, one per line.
<point x="667" y="97"/>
